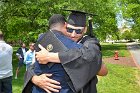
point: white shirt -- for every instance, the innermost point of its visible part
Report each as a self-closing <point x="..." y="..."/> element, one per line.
<point x="23" y="50"/>
<point x="6" y="52"/>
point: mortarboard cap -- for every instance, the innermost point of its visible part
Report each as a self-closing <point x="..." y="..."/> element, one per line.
<point x="78" y="18"/>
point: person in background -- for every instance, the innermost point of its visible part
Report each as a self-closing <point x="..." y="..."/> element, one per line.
<point x="6" y="73"/>
<point x="29" y="57"/>
<point x="20" y="54"/>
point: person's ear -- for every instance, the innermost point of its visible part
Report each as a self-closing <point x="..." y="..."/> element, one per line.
<point x="66" y="24"/>
<point x="85" y="29"/>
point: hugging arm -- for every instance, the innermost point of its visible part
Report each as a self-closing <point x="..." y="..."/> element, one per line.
<point x="43" y="81"/>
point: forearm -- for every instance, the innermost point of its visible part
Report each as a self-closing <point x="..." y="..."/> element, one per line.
<point x="103" y="71"/>
<point x="43" y="56"/>
<point x="53" y="57"/>
<point x="34" y="80"/>
<point x="44" y="82"/>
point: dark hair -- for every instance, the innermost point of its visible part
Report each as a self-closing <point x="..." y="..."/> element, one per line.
<point x="22" y="43"/>
<point x="55" y="19"/>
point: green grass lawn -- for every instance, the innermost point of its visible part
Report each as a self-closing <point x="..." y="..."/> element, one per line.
<point x="120" y="79"/>
<point x="109" y="49"/>
<point x="17" y="83"/>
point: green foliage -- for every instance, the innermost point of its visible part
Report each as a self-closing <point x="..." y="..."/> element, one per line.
<point x="23" y="20"/>
<point x="130" y="10"/>
<point x="127" y="35"/>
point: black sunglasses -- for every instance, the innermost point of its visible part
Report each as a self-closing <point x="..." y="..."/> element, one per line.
<point x="78" y="31"/>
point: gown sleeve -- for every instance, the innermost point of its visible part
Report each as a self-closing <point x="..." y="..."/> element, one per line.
<point x="27" y="88"/>
<point x="82" y="64"/>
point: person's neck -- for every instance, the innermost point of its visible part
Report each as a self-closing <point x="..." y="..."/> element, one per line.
<point x="56" y="28"/>
<point x="32" y="50"/>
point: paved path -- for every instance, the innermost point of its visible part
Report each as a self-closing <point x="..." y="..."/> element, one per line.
<point x="134" y="49"/>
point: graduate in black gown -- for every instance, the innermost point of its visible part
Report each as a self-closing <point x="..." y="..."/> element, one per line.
<point x="83" y="64"/>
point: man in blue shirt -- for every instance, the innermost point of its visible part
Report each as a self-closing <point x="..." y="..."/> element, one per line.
<point x="29" y="58"/>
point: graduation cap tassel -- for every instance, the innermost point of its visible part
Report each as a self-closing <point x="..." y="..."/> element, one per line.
<point x="90" y="27"/>
<point x="91" y="34"/>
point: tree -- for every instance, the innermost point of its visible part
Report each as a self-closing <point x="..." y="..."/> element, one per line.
<point x="127" y="35"/>
<point x="131" y="13"/>
<point x="23" y="20"/>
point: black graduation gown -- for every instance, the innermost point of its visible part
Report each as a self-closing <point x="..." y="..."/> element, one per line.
<point x="83" y="71"/>
<point x="81" y="66"/>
